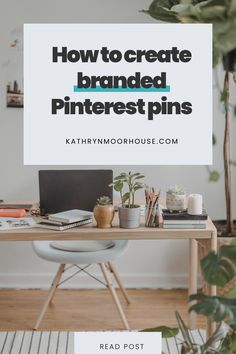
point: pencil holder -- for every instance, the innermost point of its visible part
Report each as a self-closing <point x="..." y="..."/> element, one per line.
<point x="152" y="216"/>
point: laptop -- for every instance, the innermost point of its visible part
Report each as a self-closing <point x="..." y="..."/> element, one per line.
<point x="61" y="190"/>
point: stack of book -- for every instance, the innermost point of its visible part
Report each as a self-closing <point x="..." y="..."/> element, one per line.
<point x="183" y="220"/>
<point x="66" y="220"/>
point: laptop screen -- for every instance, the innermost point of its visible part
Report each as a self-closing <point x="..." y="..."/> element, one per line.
<point x="61" y="190"/>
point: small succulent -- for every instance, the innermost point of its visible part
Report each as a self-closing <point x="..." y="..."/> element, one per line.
<point x="104" y="200"/>
<point x="176" y="190"/>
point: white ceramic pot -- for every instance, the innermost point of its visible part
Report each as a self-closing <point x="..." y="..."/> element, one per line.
<point x="175" y="202"/>
<point x="129" y="217"/>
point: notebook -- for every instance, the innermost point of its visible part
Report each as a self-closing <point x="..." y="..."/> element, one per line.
<point x="71" y="216"/>
<point x="63" y="227"/>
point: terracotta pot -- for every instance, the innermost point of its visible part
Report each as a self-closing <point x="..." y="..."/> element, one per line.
<point x="104" y="215"/>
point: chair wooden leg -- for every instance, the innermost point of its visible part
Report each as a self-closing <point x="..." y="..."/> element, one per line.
<point x="51" y="293"/>
<point x="119" y="281"/>
<point x="114" y="295"/>
<point x="61" y="271"/>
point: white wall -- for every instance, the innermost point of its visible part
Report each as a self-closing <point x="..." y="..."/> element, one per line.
<point x="147" y="263"/>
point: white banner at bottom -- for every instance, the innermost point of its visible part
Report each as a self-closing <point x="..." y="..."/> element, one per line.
<point x="117" y="343"/>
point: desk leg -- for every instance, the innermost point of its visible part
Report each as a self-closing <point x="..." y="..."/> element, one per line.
<point x="211" y="326"/>
<point x="193" y="272"/>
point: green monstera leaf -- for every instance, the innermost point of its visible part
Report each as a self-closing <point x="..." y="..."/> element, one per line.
<point x="217" y="269"/>
<point x="218" y="308"/>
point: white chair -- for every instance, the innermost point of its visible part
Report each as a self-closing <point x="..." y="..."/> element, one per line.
<point x="101" y="257"/>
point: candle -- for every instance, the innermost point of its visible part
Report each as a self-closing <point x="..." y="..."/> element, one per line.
<point x="195" y="204"/>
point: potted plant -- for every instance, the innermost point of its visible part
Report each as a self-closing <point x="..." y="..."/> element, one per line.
<point x="175" y="198"/>
<point x="217" y="269"/>
<point x="222" y="14"/>
<point x="129" y="212"/>
<point x="104" y="212"/>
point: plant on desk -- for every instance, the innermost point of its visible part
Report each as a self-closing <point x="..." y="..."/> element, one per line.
<point x="104" y="212"/>
<point x="217" y="269"/>
<point x="129" y="212"/>
<point x="175" y="198"/>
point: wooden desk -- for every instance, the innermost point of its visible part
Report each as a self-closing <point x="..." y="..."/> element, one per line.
<point x="90" y="232"/>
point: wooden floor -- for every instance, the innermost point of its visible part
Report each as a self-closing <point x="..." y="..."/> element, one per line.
<point x="76" y="310"/>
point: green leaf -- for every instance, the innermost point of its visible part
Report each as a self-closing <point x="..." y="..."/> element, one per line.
<point x="226" y="40"/>
<point x="217" y="270"/>
<point x="185" y="333"/>
<point x="224" y="95"/>
<point x="232" y="293"/>
<point x="125" y="197"/>
<point x="216" y="54"/>
<point x="228" y="345"/>
<point x="214" y="140"/>
<point x="137" y="187"/>
<point x="204" y="307"/>
<point x="228" y="251"/>
<point x="167" y="332"/>
<point x="186" y="10"/>
<point x="163" y="3"/>
<point x="213" y="10"/>
<point x="135" y="174"/>
<point x="214" y="176"/>
<point x="222" y="14"/>
<point x="209" y="3"/>
<point x="160" y="10"/>
<point x="215" y="307"/>
<point x="232" y="8"/>
<point x="118" y="186"/>
<point x="213" y="14"/>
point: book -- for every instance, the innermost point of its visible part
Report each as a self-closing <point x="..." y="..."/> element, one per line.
<point x="53" y="222"/>
<point x="182" y="215"/>
<point x="15" y="205"/>
<point x="184" y="226"/>
<point x="12" y="213"/>
<point x="185" y="222"/>
<point x="71" y="216"/>
<point x="63" y="227"/>
<point x="16" y="223"/>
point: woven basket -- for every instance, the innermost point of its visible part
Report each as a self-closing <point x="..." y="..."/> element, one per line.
<point x="203" y="250"/>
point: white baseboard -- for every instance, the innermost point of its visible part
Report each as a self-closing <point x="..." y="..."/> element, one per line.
<point x="43" y="281"/>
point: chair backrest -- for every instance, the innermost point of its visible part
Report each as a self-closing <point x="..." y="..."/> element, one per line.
<point x="61" y="190"/>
